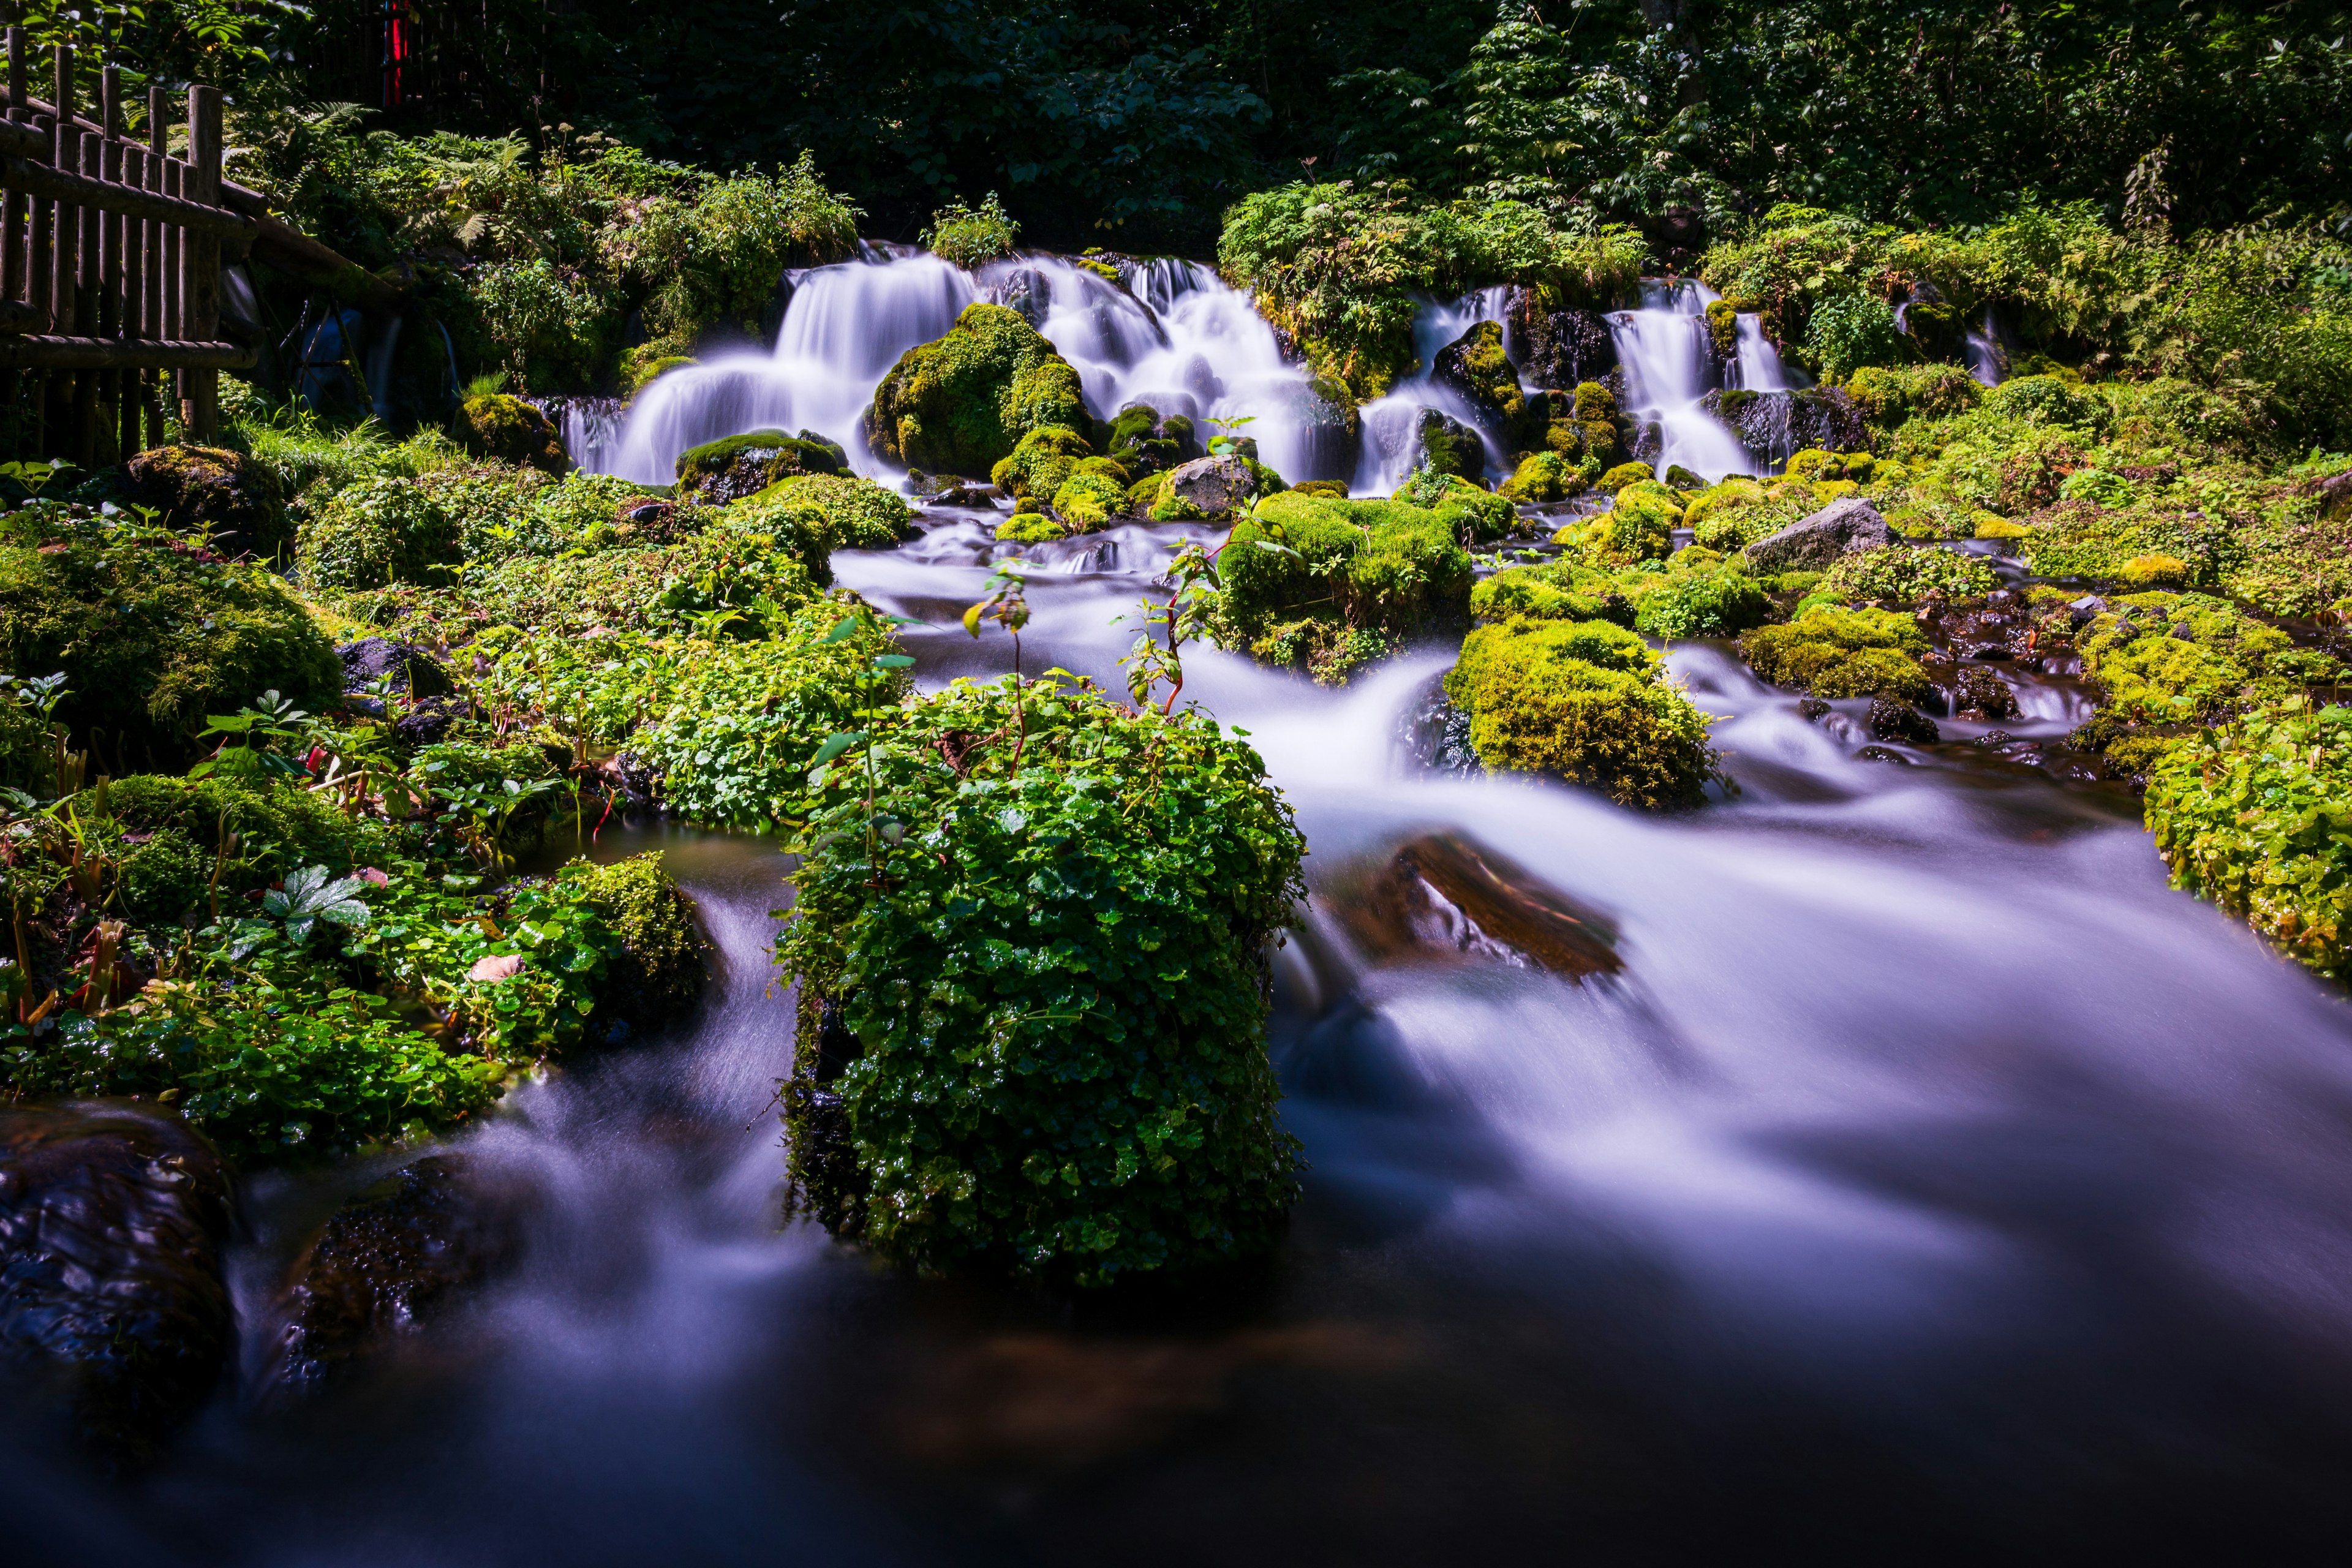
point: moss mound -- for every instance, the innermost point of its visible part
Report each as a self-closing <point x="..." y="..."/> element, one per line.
<point x="151" y="640"/>
<point x="1831" y="652"/>
<point x="1475" y="365"/>
<point x="857" y="513"/>
<point x="378" y="532"/>
<point x="959" y="405"/>
<point x="222" y="496"/>
<point x="1387" y="568"/>
<point x="1903" y="576"/>
<point x="664" y="959"/>
<point x="1040" y="1050"/>
<point x="1584" y="701"/>
<point x="1041" y="462"/>
<point x="508" y="431"/>
<point x="1544" y="477"/>
<point x="720" y="471"/>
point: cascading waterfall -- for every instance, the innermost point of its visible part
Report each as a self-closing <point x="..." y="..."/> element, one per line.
<point x="1391" y="423"/>
<point x="1669" y="366"/>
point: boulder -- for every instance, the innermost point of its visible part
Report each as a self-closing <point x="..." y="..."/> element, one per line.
<point x="961" y="404"/>
<point x="397" y="1255"/>
<point x="224" y="498"/>
<point x="510" y="431"/>
<point x="1892" y="721"/>
<point x="1443" y="899"/>
<point x="112" y="1217"/>
<point x="1844" y="526"/>
<point x="1561" y="348"/>
<point x="414" y="672"/>
<point x="1476" y="366"/>
<point x="1217" y="487"/>
<point x="1447" y="445"/>
<point x="717" y="472"/>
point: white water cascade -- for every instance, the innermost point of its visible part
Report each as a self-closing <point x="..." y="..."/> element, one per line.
<point x="1391" y="423"/>
<point x="1175" y="338"/>
<point x="1669" y="366"/>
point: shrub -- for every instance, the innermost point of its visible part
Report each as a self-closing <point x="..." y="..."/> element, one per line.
<point x="1033" y="1008"/>
<point x="1848" y="331"/>
<point x="376" y="533"/>
<point x="958" y="405"/>
<point x="1831" y="652"/>
<point x="1582" y="700"/>
<point x="551" y="327"/>
<point x="152" y="639"/>
<point x="1379" y="566"/>
<point x="1717" y="602"/>
<point x="2257" y="816"/>
<point x="968" y="236"/>
<point x="1903" y="576"/>
<point x="2046" y="400"/>
<point x="1890" y="394"/>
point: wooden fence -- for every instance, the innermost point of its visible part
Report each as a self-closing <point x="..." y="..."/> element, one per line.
<point x="110" y="258"/>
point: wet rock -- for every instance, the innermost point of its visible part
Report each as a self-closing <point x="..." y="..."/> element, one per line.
<point x="1992" y="738"/>
<point x="1445" y="898"/>
<point x="1892" y="721"/>
<point x="1814" y="709"/>
<point x="2083" y="611"/>
<point x="1446" y="445"/>
<point x="1477" y="367"/>
<point x="718" y="472"/>
<point x="428" y="722"/>
<point x="1844" y="526"/>
<point x="112" y="1217"/>
<point x="414" y="672"/>
<point x="398" y="1254"/>
<point x="1217" y="486"/>
<point x="1560" y="347"/>
<point x="1980" y="693"/>
<point x="647" y="519"/>
<point x="965" y="494"/>
<point x="1881" y="754"/>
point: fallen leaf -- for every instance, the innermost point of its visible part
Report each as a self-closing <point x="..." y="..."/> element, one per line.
<point x="496" y="967"/>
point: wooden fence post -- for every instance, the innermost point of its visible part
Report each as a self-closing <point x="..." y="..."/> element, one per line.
<point x="202" y="414"/>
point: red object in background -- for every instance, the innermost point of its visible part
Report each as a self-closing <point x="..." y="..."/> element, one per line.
<point x="395" y="50"/>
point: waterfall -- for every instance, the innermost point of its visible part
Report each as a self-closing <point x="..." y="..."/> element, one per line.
<point x="1171" y="334"/>
<point x="1392" y="423"/>
<point x="1986" y="352"/>
<point x="1669" y="366"/>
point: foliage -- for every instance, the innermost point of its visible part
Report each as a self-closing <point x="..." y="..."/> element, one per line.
<point x="377" y="532"/>
<point x="1379" y="566"/>
<point x="969" y="235"/>
<point x="663" y="959"/>
<point x="1582" y="700"/>
<point x="1040" y="921"/>
<point x="1903" y="576"/>
<point x="2253" y="815"/>
<point x="1833" y="652"/>
<point x="1847" y="332"/>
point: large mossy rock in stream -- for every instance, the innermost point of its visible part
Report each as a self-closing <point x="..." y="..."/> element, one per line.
<point x="720" y="471"/>
<point x="223" y="498"/>
<point x="959" y="405"/>
<point x="1476" y="366"/>
<point x="1326" y="584"/>
<point x="1584" y="701"/>
<point x="665" y="960"/>
<point x="398" y="1256"/>
<point x="150" y="639"/>
<point x="1443" y="899"/>
<point x="1039" y="1050"/>
<point x="1831" y="652"/>
<point x="112" y="1217"/>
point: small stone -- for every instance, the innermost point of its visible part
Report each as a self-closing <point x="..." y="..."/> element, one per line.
<point x="1892" y="721"/>
<point x="1218" y="486"/>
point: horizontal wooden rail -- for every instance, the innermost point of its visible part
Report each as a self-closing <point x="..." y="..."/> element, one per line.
<point x="19" y="140"/>
<point x="46" y="352"/>
<point x="16" y="316"/>
<point x="40" y="180"/>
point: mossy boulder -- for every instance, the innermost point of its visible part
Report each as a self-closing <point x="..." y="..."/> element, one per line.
<point x="1474" y="365"/>
<point x="1833" y="652"/>
<point x="1584" y="701"/>
<point x="1031" y="528"/>
<point x="506" y="429"/>
<point x="1543" y="477"/>
<point x="224" y="498"/>
<point x="1888" y="395"/>
<point x="1090" y="498"/>
<point x="1582" y="426"/>
<point x="151" y="640"/>
<point x="1143" y="443"/>
<point x="1041" y="462"/>
<point x="664" y="960"/>
<point x="725" y="470"/>
<point x="1385" y="567"/>
<point x="2048" y="400"/>
<point x="640" y="374"/>
<point x="1638" y="526"/>
<point x="1623" y="474"/>
<point x="962" y="402"/>
<point x="858" y="514"/>
<point x="1479" y="516"/>
<point x="1444" y="445"/>
<point x="376" y="533"/>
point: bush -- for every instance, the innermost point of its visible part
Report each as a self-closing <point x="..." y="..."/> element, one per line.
<point x="1848" y="331"/>
<point x="1040" y="1049"/>
<point x="969" y="236"/>
<point x="550" y="327"/>
<point x="2047" y="400"/>
<point x="1831" y="652"/>
<point x="1890" y="394"/>
<point x="1904" y="576"/>
<point x="958" y="405"/>
<point x="2257" y="816"/>
<point x="377" y="532"/>
<point x="1720" y="602"/>
<point x="1582" y="700"/>
<point x="152" y="640"/>
<point x="1378" y="566"/>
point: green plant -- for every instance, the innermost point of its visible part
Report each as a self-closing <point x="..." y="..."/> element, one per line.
<point x="1903" y="576"/>
<point x="310" y="896"/>
<point x="968" y="236"/>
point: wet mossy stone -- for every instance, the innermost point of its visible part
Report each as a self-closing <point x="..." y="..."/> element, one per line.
<point x="858" y="513"/>
<point x="151" y="640"/>
<point x="1044" y="1052"/>
<point x="665" y="960"/>
<point x="1476" y="366"/>
<point x="1041" y="461"/>
<point x="1845" y="526"/>
<point x="1542" y="477"/>
<point x="1831" y="652"/>
<point x="731" y="468"/>
<point x="224" y="498"/>
<point x="1379" y="566"/>
<point x="1624" y="473"/>
<point x="112" y="1222"/>
<point x="962" y="402"/>
<point x="1901" y="723"/>
<point x="1144" y="443"/>
<point x="1584" y="701"/>
<point x="1444" y="445"/>
<point x="1479" y="516"/>
<point x="507" y="430"/>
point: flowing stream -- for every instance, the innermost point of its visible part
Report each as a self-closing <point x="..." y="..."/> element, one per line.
<point x="1931" y="1185"/>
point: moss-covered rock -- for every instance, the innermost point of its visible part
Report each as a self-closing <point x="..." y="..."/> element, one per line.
<point x="1543" y="477"/>
<point x="1584" y="701"/>
<point x="1090" y="498"/>
<point x="1385" y="567"/>
<point x="378" y="532"/>
<point x="151" y="640"/>
<point x="1638" y="526"/>
<point x="1474" y="365"/>
<point x="1444" y="445"/>
<point x="1479" y="516"/>
<point x="858" y="513"/>
<point x="508" y="431"/>
<point x="1041" y="462"/>
<point x="961" y="404"/>
<point x="222" y="496"/>
<point x="2174" y="659"/>
<point x="1002" y="1068"/>
<point x="639" y="373"/>
<point x="1887" y="395"/>
<point x="1582" y="426"/>
<point x="1623" y="475"/>
<point x="720" y="471"/>
<point x="1831" y="652"/>
<point x="664" y="960"/>
<point x="1723" y="330"/>
<point x="1031" y="528"/>
<point x="1903" y="574"/>
<point x="1143" y="443"/>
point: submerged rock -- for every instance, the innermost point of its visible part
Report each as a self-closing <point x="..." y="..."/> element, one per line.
<point x="112" y="1217"/>
<point x="1846" y="525"/>
<point x="398" y="1254"/>
<point x="1445" y="898"/>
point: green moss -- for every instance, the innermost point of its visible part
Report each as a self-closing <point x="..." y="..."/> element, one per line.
<point x="1033" y="528"/>
<point x="1543" y="477"/>
<point x="1723" y="329"/>
<point x="165" y="879"/>
<point x="1087" y="501"/>
<point x="2257" y="816"/>
<point x="2171" y="659"/>
<point x="969" y="236"/>
<point x="222" y="496"/>
<point x="1329" y="490"/>
<point x="741" y="466"/>
<point x="1478" y="516"/>
<point x="1379" y="566"/>
<point x="1903" y="576"/>
<point x="1041" y="462"/>
<point x="2047" y="400"/>
<point x="637" y="373"/>
<point x="1584" y="701"/>
<point x="1044" y="1052"/>
<point x="857" y="513"/>
<point x="1475" y="364"/>
<point x="1639" y="527"/>
<point x="959" y="405"/>
<point x="508" y="431"/>
<point x="1887" y="395"/>
<point x="151" y="640"/>
<point x="1624" y="473"/>
<point x="1831" y="652"/>
<point x="663" y="959"/>
<point x="1703" y="600"/>
<point x="1563" y="590"/>
<point x="280" y="828"/>
<point x="377" y="532"/>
